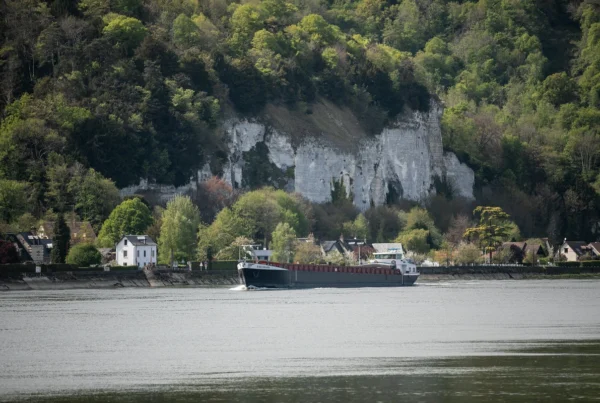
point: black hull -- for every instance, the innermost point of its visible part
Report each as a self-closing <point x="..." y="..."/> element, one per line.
<point x="261" y="278"/>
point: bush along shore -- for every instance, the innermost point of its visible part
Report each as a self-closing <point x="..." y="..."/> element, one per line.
<point x="58" y="278"/>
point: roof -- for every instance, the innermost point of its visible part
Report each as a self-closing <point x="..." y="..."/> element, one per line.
<point x="534" y="247"/>
<point x="31" y="239"/>
<point x="596" y="246"/>
<point x="140" y="240"/>
<point x="80" y="230"/>
<point x="330" y="246"/>
<point x="577" y="246"/>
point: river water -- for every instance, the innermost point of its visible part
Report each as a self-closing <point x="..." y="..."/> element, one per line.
<point x="480" y="341"/>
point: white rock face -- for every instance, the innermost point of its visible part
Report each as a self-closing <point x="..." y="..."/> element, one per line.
<point x="406" y="157"/>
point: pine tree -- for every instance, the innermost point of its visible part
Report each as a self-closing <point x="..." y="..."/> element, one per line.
<point x="60" y="241"/>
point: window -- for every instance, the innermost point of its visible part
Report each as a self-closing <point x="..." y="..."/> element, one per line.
<point x="144" y="253"/>
<point x="152" y="252"/>
<point x="125" y="243"/>
<point x="566" y="250"/>
<point x="124" y="253"/>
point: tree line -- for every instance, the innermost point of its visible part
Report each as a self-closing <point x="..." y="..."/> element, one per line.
<point x="97" y="93"/>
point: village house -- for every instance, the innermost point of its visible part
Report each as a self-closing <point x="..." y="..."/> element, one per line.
<point x="521" y="250"/>
<point x="351" y="249"/>
<point x="81" y="231"/>
<point x="594" y="248"/>
<point x="572" y="250"/>
<point x="33" y="248"/>
<point x="136" y="250"/>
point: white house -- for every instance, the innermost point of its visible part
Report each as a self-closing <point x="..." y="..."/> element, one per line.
<point x="572" y="250"/>
<point x="136" y="250"/>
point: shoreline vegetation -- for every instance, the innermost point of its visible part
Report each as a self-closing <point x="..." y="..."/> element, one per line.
<point x="88" y="279"/>
<point x="98" y="95"/>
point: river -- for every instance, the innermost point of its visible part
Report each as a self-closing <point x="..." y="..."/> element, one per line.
<point x="479" y="341"/>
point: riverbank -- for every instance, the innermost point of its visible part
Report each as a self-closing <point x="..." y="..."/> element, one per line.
<point x="222" y="278"/>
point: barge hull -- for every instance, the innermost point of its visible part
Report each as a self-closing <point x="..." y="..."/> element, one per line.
<point x="312" y="279"/>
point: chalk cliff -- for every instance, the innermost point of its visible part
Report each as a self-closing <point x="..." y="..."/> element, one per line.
<point x="308" y="153"/>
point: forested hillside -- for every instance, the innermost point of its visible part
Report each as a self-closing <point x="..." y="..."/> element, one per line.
<point x="99" y="90"/>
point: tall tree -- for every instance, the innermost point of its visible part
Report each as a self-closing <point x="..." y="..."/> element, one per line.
<point x="130" y="217"/>
<point x="284" y="238"/>
<point x="493" y="229"/>
<point x="60" y="241"/>
<point x="178" y="230"/>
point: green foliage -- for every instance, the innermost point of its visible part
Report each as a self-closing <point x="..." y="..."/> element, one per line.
<point x="414" y="240"/>
<point x="94" y="196"/>
<point x="83" y="255"/>
<point x="339" y="194"/>
<point x="359" y="228"/>
<point x="494" y="228"/>
<point x="308" y="253"/>
<point x="61" y="240"/>
<point x="255" y="216"/>
<point x="125" y="32"/>
<point x="284" y="238"/>
<point x="178" y="230"/>
<point x="236" y="250"/>
<point x="337" y="259"/>
<point x="134" y="89"/>
<point x="420" y="233"/>
<point x="131" y="217"/>
<point x="13" y="199"/>
<point x="467" y="253"/>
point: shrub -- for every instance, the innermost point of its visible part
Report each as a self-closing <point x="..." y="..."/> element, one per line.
<point x="591" y="263"/>
<point x="84" y="255"/>
<point x="543" y="261"/>
<point x="467" y="254"/>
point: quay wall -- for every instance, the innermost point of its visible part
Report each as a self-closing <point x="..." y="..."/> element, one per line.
<point x="77" y="279"/>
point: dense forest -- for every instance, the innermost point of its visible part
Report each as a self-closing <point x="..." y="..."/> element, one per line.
<point x="98" y="93"/>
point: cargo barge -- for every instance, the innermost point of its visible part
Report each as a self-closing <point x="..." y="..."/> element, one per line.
<point x="384" y="271"/>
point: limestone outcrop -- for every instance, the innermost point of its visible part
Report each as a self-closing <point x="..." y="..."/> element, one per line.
<point x="309" y="155"/>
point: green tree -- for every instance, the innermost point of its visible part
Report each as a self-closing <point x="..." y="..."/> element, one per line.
<point x="95" y="196"/>
<point x="185" y="32"/>
<point x="13" y="199"/>
<point x="284" y="238"/>
<point x="236" y="250"/>
<point x="245" y="21"/>
<point x="131" y="217"/>
<point x="420" y="233"/>
<point x="178" y="232"/>
<point x="84" y="255"/>
<point x="359" y="228"/>
<point x="60" y="240"/>
<point x="308" y="252"/>
<point x="493" y="229"/>
<point x="126" y="32"/>
<point x="414" y="240"/>
<point x="467" y="253"/>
